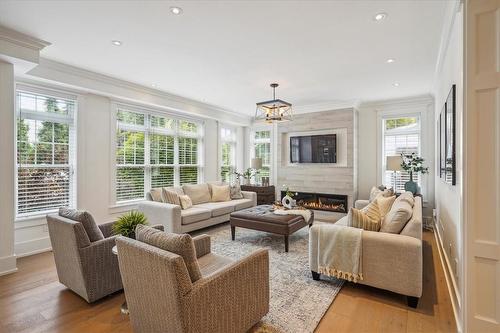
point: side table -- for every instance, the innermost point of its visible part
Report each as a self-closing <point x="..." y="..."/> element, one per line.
<point x="266" y="195"/>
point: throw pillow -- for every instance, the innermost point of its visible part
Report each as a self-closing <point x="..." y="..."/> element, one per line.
<point x="406" y="196"/>
<point x="236" y="191"/>
<point x="185" y="201"/>
<point x="170" y="197"/>
<point x="198" y="193"/>
<point x="221" y="193"/>
<point x="384" y="205"/>
<point x="372" y="211"/>
<point x="359" y="219"/>
<point x="180" y="244"/>
<point x="375" y="192"/>
<point x="156" y="194"/>
<point x="84" y="217"/>
<point x="397" y="217"/>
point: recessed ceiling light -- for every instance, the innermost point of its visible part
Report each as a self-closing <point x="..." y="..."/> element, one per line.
<point x="176" y="10"/>
<point x="380" y="16"/>
<point x="390" y="60"/>
<point x="116" y="43"/>
<point x="395" y="84"/>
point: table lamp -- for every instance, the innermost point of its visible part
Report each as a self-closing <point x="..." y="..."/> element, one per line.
<point x="393" y="164"/>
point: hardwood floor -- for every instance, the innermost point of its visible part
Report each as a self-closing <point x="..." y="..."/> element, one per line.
<point x="32" y="300"/>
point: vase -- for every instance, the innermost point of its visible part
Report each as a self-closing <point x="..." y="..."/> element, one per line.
<point x="411" y="186"/>
<point x="247" y="181"/>
<point x="287" y="201"/>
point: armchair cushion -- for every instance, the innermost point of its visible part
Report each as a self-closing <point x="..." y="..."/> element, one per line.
<point x="84" y="217"/>
<point x="180" y="244"/>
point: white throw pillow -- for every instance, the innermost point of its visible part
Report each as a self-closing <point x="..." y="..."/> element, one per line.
<point x="395" y="221"/>
<point x="198" y="193"/>
<point x="221" y="193"/>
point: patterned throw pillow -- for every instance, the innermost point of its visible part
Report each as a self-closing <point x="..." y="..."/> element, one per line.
<point x="384" y="204"/>
<point x="185" y="201"/>
<point x="359" y="219"/>
<point x="236" y="191"/>
<point x="180" y="244"/>
<point x="170" y="197"/>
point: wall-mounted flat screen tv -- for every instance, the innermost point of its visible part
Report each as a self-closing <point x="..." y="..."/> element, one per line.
<point x="313" y="149"/>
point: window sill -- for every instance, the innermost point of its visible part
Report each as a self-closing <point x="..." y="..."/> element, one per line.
<point x="30" y="221"/>
<point x="124" y="206"/>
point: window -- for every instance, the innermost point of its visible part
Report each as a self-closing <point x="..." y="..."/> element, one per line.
<point x="400" y="135"/>
<point x="228" y="154"/>
<point x="154" y="151"/>
<point x="261" y="147"/>
<point x="45" y="145"/>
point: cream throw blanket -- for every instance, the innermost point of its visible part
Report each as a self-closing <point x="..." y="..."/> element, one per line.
<point x="306" y="214"/>
<point x="340" y="252"/>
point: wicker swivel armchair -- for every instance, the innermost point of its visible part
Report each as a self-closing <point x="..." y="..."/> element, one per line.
<point x="231" y="296"/>
<point x="89" y="268"/>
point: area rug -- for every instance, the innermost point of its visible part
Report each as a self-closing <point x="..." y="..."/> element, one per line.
<point x="297" y="302"/>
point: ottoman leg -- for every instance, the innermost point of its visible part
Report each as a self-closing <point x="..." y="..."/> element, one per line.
<point x="315" y="275"/>
<point x="233" y="232"/>
<point x="286" y="243"/>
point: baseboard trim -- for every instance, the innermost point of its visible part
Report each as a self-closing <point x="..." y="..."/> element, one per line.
<point x="33" y="246"/>
<point x="450" y="281"/>
<point x="8" y="265"/>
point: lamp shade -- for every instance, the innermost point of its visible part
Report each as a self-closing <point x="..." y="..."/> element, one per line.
<point x="256" y="163"/>
<point x="394" y="163"/>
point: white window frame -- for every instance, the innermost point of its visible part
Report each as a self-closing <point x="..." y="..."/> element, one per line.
<point x="231" y="140"/>
<point x="70" y="119"/>
<point x="423" y="138"/>
<point x="176" y="133"/>
<point x="252" y="141"/>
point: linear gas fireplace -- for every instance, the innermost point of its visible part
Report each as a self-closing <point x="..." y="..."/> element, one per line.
<point x="320" y="201"/>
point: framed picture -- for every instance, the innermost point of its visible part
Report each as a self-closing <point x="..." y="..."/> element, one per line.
<point x="442" y="143"/>
<point x="450" y="162"/>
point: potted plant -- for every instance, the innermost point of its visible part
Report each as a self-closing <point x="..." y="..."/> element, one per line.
<point x="248" y="174"/>
<point x="412" y="163"/>
<point x="126" y="223"/>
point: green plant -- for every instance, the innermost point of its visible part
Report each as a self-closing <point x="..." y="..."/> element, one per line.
<point x="288" y="192"/>
<point x="126" y="223"/>
<point x="412" y="163"/>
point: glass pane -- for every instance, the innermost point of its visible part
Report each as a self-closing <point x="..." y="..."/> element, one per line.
<point x="61" y="133"/>
<point x="263" y="150"/>
<point x="161" y="149"/>
<point x="129" y="183"/>
<point x="188" y="151"/>
<point x="186" y="126"/>
<point x="188" y="175"/>
<point x="227" y="174"/>
<point x="132" y="118"/>
<point x="162" y="176"/>
<point x="161" y="122"/>
<point x="44" y="153"/>
<point x="130" y="147"/>
<point x="39" y="103"/>
<point x="262" y="135"/>
<point x="227" y="155"/>
<point x="61" y="154"/>
<point x="407" y="123"/>
<point x="44" y="131"/>
<point x="42" y="189"/>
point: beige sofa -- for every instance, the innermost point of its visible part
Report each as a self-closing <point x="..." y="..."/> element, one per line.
<point x="390" y="261"/>
<point x="201" y="215"/>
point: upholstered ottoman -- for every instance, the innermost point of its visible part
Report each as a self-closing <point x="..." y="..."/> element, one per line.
<point x="262" y="218"/>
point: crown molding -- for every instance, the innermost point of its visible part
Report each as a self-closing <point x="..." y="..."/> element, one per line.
<point x="328" y="106"/>
<point x="79" y="78"/>
<point x="402" y="103"/>
<point x="22" y="40"/>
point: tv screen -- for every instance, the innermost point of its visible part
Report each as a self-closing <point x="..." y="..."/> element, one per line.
<point x="313" y="149"/>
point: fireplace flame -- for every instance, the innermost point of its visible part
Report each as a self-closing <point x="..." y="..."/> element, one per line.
<point x="322" y="206"/>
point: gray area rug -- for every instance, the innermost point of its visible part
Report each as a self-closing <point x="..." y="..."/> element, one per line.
<point x="297" y="301"/>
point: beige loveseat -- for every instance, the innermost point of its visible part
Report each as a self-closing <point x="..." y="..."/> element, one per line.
<point x="204" y="212"/>
<point x="390" y="261"/>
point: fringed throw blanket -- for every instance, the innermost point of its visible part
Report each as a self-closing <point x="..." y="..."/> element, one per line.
<point x="305" y="213"/>
<point x="340" y="252"/>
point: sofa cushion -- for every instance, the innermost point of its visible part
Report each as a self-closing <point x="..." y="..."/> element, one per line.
<point x="156" y="194"/>
<point x="221" y="193"/>
<point x="397" y="217"/>
<point x="171" y="197"/>
<point x="180" y="244"/>
<point x="219" y="208"/>
<point x="194" y="214"/>
<point x="86" y="219"/>
<point x="199" y="193"/>
<point x="186" y="202"/>
<point x="242" y="203"/>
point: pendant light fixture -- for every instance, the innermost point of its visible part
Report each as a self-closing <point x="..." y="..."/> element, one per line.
<point x="273" y="110"/>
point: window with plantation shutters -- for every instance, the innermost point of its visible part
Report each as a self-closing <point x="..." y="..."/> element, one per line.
<point x="261" y="147"/>
<point x="401" y="135"/>
<point x="228" y="154"/>
<point x="45" y="145"/>
<point x="154" y="151"/>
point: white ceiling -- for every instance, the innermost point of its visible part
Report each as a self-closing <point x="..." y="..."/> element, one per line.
<point x="226" y="53"/>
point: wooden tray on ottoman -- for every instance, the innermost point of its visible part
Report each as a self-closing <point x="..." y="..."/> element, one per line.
<point x="262" y="218"/>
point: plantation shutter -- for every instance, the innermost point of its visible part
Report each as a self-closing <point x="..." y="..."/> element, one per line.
<point x="45" y="145"/>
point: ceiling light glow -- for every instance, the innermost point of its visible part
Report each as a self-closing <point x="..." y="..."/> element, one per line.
<point x="395" y="84"/>
<point x="116" y="43"/>
<point x="380" y="16"/>
<point x="176" y="10"/>
<point x="390" y="60"/>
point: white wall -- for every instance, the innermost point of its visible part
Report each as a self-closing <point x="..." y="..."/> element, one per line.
<point x="448" y="197"/>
